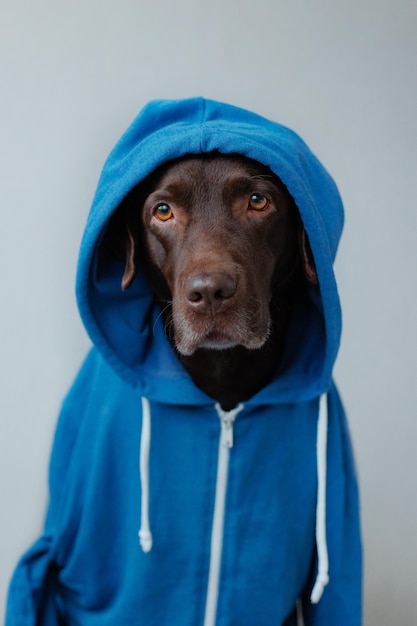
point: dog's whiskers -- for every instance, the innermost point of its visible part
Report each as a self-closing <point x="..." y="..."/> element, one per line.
<point x="165" y="308"/>
<point x="169" y="326"/>
<point x="260" y="176"/>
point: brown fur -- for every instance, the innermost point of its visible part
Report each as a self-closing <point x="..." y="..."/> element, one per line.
<point x="223" y="266"/>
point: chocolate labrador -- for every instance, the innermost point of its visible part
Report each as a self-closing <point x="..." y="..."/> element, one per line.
<point x="225" y="252"/>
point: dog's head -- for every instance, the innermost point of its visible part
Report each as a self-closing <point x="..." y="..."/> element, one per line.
<point x="222" y="237"/>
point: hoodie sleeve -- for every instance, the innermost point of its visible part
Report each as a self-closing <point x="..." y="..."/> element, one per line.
<point x="341" y="602"/>
<point x="32" y="598"/>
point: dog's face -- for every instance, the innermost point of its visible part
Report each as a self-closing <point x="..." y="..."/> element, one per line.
<point x="222" y="235"/>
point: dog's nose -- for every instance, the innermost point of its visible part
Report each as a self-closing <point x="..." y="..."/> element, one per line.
<point x="207" y="292"/>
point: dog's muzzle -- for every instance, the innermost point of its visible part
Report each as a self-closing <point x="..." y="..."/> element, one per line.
<point x="212" y="310"/>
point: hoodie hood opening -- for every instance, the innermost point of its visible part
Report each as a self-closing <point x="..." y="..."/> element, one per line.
<point x="126" y="326"/>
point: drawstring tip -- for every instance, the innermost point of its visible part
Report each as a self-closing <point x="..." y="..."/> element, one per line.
<point x="318" y="589"/>
<point x="145" y="540"/>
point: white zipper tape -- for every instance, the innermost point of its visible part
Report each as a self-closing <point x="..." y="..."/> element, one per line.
<point x="227" y="419"/>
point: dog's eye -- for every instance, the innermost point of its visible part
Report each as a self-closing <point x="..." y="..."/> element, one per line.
<point x="163" y="212"/>
<point x="258" y="202"/>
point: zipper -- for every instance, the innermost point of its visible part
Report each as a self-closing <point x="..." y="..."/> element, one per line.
<point x="227" y="419"/>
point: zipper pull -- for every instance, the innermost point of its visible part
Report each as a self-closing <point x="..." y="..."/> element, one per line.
<point x="227" y="430"/>
<point x="227" y="419"/>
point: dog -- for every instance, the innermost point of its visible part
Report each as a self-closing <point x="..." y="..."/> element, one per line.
<point x="225" y="252"/>
<point x="202" y="469"/>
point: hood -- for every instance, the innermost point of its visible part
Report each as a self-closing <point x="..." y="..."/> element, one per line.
<point x="125" y="326"/>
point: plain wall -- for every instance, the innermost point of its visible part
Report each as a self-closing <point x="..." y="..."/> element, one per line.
<point x="343" y="75"/>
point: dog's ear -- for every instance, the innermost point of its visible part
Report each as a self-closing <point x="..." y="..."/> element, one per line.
<point x="130" y="246"/>
<point x="130" y="265"/>
<point x="307" y="258"/>
<point x="121" y="239"/>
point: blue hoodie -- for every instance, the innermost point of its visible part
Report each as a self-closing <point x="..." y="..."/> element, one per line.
<point x="165" y="510"/>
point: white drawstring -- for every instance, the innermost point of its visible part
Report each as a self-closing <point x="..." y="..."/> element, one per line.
<point x="145" y="535"/>
<point x="321" y="540"/>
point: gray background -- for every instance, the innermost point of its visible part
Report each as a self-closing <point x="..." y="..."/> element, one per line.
<point x="344" y="76"/>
